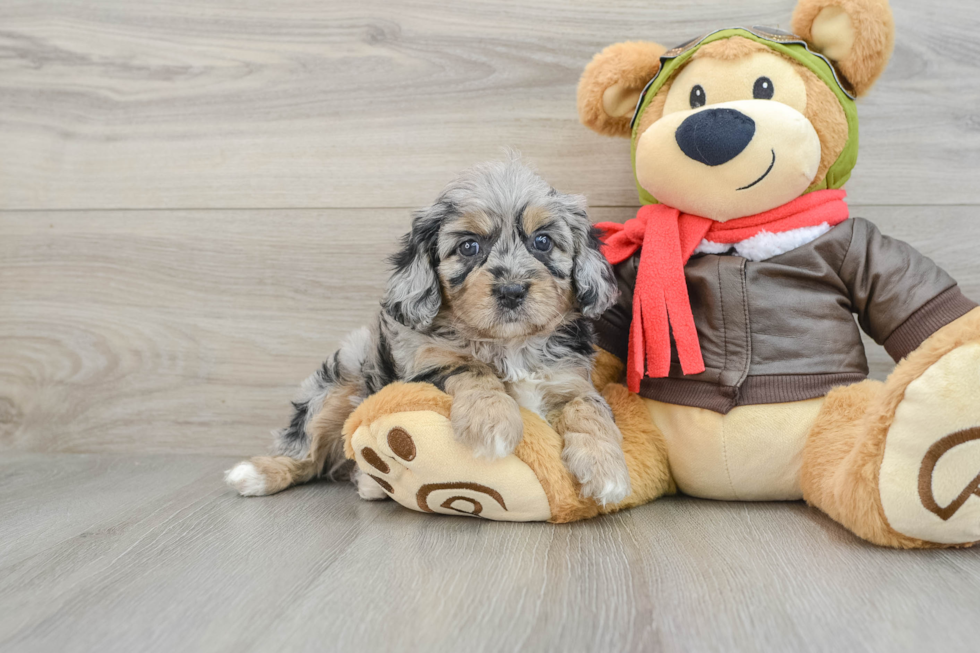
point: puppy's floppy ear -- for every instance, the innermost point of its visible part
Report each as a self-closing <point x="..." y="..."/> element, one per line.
<point x="611" y="85"/>
<point x="595" y="284"/>
<point x="858" y="35"/>
<point x="413" y="295"/>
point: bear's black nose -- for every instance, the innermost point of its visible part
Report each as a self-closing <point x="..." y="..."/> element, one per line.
<point x="715" y="136"/>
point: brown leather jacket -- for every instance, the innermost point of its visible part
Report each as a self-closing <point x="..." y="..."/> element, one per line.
<point x="782" y="329"/>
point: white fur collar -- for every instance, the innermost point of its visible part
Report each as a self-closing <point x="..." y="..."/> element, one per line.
<point x="765" y="245"/>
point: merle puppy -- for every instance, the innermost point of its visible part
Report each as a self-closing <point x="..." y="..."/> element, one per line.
<point x="491" y="300"/>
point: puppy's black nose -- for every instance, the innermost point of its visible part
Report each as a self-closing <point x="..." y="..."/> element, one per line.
<point x="511" y="295"/>
<point x="715" y="136"/>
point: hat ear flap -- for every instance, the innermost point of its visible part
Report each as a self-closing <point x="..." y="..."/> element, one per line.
<point x="858" y="35"/>
<point x="611" y="85"/>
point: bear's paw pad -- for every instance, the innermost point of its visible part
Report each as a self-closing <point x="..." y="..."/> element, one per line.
<point x="415" y="459"/>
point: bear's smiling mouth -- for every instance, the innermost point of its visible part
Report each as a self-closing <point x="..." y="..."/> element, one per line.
<point x="764" y="174"/>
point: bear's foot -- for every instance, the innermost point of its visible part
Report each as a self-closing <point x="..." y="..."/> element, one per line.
<point x="929" y="480"/>
<point x="414" y="458"/>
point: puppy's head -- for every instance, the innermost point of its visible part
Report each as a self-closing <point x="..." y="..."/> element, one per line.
<point x="500" y="255"/>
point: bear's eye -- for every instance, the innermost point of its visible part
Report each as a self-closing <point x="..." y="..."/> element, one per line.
<point x="469" y="248"/>
<point x="763" y="89"/>
<point x="697" y="97"/>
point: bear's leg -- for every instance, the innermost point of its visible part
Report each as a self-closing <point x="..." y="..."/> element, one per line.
<point x="839" y="471"/>
<point x="899" y="462"/>
<point x="402" y="440"/>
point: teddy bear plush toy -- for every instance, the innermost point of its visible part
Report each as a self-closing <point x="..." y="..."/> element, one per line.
<point x="740" y="279"/>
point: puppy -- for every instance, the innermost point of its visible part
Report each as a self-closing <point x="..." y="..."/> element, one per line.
<point x="491" y="300"/>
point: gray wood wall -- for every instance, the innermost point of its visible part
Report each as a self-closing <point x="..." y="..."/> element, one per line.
<point x="196" y="198"/>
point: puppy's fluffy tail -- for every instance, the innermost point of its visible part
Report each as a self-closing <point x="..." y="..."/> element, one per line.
<point x="264" y="475"/>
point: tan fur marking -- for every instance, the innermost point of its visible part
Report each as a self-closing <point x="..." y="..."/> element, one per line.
<point x="439" y="357"/>
<point x="534" y="218"/>
<point x="475" y="300"/>
<point x="282" y="472"/>
<point x="471" y="307"/>
<point x="471" y="382"/>
<point x="326" y="428"/>
<point x="477" y="223"/>
<point x="557" y="295"/>
<point x="548" y="300"/>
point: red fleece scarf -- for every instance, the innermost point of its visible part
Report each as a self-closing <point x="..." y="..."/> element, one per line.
<point x="660" y="300"/>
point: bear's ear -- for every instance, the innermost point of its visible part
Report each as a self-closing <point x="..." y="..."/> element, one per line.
<point x="612" y="83"/>
<point x="858" y="35"/>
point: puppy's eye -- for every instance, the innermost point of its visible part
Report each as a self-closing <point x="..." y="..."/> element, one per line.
<point x="543" y="243"/>
<point x="698" y="97"/>
<point x="469" y="248"/>
<point x="763" y="89"/>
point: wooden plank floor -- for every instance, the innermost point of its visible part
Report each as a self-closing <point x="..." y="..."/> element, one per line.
<point x="152" y="553"/>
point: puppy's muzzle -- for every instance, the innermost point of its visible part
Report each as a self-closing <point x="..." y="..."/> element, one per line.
<point x="511" y="295"/>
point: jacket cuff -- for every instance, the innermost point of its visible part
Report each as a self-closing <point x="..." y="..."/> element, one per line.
<point x="612" y="338"/>
<point x="934" y="315"/>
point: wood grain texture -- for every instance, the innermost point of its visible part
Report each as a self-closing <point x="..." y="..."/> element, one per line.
<point x="189" y="331"/>
<point x="152" y="553"/>
<point x="309" y="104"/>
<point x="175" y="330"/>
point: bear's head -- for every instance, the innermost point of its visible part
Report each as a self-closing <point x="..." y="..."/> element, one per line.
<point x="742" y="120"/>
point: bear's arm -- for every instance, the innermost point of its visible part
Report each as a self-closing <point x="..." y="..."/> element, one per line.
<point x="613" y="327"/>
<point x="900" y="296"/>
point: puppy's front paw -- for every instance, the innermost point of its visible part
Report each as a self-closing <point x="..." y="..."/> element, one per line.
<point x="599" y="465"/>
<point x="487" y="422"/>
<point x="246" y="479"/>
